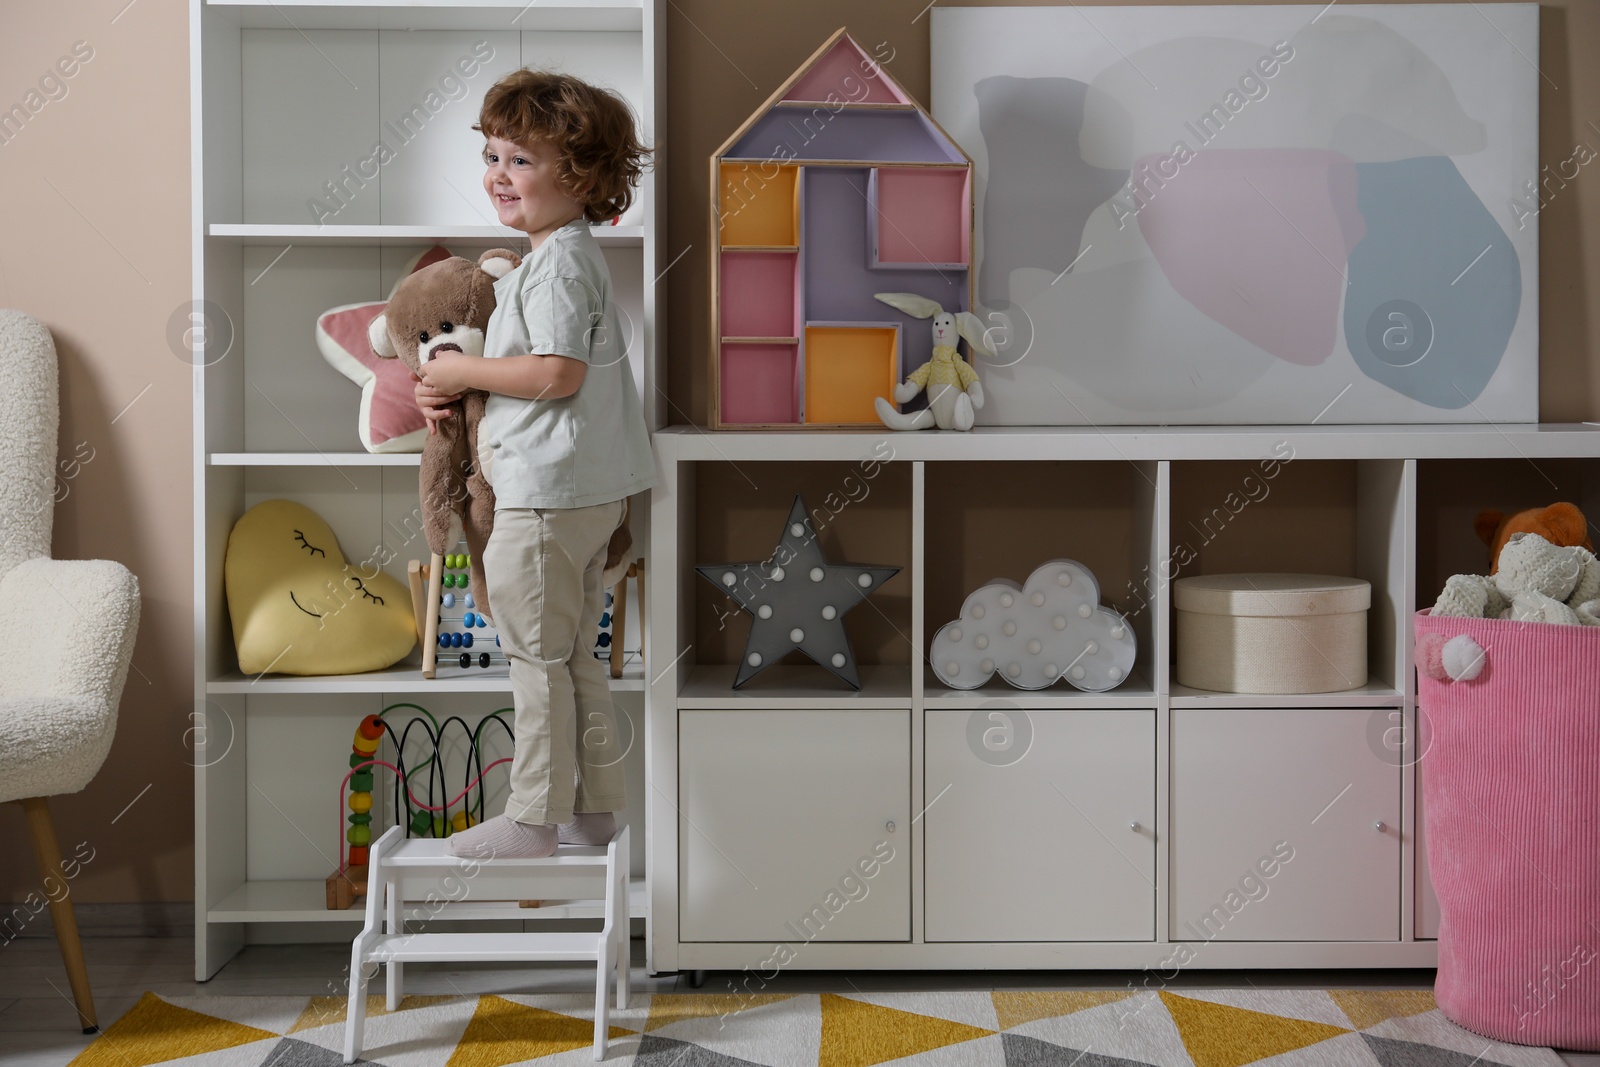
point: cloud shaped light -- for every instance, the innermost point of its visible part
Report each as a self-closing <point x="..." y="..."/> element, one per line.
<point x="1032" y="635"/>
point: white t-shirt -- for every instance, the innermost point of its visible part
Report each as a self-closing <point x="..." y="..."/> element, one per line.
<point x="565" y="452"/>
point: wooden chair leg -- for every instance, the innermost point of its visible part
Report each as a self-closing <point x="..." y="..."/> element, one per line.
<point x="47" y="851"/>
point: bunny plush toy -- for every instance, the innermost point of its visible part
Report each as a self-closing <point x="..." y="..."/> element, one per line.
<point x="954" y="392"/>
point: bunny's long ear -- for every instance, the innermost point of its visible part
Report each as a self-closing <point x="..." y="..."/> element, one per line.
<point x="970" y="326"/>
<point x="918" y="307"/>
<point x="378" y="337"/>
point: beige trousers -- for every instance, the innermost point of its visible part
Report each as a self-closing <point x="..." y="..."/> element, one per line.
<point x="543" y="567"/>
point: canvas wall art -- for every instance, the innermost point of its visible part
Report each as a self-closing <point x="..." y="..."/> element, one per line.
<point x="1261" y="215"/>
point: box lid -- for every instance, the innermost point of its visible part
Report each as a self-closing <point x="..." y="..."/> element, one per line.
<point x="1272" y="594"/>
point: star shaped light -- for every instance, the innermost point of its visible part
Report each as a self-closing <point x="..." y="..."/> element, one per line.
<point x="797" y="600"/>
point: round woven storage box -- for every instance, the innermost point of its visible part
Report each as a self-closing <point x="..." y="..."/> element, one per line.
<point x="1272" y="632"/>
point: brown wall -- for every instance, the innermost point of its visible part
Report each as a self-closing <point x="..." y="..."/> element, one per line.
<point x="97" y="187"/>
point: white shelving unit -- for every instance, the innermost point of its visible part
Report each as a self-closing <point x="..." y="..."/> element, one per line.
<point x="1129" y="817"/>
<point x="295" y="211"/>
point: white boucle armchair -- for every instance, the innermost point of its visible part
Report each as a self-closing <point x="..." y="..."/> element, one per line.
<point x="58" y="699"/>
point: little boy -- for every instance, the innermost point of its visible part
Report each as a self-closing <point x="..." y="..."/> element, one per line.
<point x="564" y="443"/>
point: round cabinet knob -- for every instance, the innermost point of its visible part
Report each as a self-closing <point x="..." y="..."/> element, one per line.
<point x="889" y="826"/>
<point x="1379" y="826"/>
<point x="1134" y="826"/>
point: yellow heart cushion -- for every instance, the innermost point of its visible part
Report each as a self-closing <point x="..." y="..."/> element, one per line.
<point x="299" y="608"/>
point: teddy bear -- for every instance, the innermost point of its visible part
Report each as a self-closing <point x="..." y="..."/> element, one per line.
<point x="1536" y="581"/>
<point x="446" y="307"/>
<point x="1560" y="524"/>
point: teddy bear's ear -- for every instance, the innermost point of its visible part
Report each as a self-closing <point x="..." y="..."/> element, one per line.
<point x="499" y="261"/>
<point x="1487" y="525"/>
<point x="1567" y="524"/>
<point x="378" y="337"/>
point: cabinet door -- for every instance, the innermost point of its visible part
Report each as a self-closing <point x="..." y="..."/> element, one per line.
<point x="1039" y="825"/>
<point x="794" y="826"/>
<point x="1284" y="827"/>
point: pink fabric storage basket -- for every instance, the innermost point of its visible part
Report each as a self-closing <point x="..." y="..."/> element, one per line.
<point x="1511" y="802"/>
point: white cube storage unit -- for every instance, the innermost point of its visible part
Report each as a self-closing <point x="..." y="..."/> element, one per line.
<point x="332" y="143"/>
<point x="1142" y="826"/>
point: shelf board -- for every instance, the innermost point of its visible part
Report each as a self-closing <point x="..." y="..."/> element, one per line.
<point x="761" y="340"/>
<point x="1120" y="444"/>
<point x="851" y="105"/>
<point x="262" y="233"/>
<point x="316" y="459"/>
<point x="1375" y="694"/>
<point x="802" y="685"/>
<point x="475" y="15"/>
<point x="305" y="900"/>
<point x="399" y="679"/>
<point x="1133" y="693"/>
<point x="758" y="248"/>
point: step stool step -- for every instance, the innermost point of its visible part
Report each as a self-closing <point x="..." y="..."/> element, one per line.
<point x="432" y="852"/>
<point x="512" y="947"/>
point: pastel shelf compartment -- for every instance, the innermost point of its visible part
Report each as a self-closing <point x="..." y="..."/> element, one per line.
<point x="760" y="382"/>
<point x="837" y="276"/>
<point x="989" y="521"/>
<point x="758" y="297"/>
<point x="920" y="217"/>
<point x="848" y="365"/>
<point x="844" y="73"/>
<point x="734" y="512"/>
<point x="845" y="135"/>
<point x="759" y="209"/>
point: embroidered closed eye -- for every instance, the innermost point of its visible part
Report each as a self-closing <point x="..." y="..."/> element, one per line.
<point x="315" y="551"/>
<point x="370" y="596"/>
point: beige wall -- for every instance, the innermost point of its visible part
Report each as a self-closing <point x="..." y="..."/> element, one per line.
<point x="97" y="184"/>
<point x="95" y="223"/>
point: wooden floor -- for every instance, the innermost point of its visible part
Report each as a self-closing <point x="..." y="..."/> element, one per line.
<point x="38" y="1026"/>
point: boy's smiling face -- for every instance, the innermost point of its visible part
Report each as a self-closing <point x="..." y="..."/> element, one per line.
<point x="522" y="186"/>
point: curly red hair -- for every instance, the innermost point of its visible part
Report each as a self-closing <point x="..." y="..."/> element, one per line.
<point x="591" y="128"/>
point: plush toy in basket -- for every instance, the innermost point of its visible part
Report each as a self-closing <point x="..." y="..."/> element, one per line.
<point x="1560" y="524"/>
<point x="1536" y="581"/>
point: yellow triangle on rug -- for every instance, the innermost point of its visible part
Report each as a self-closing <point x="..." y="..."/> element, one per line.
<point x="154" y="1031"/>
<point x="858" y="1034"/>
<point x="1369" y="1007"/>
<point x="502" y="1032"/>
<point x="1218" y="1035"/>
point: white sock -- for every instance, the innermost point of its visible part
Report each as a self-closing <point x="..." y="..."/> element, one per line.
<point x="504" y="838"/>
<point x="589" y="828"/>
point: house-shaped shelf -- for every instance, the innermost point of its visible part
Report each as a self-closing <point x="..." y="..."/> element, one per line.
<point x="840" y="186"/>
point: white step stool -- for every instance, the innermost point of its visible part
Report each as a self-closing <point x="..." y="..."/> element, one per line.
<point x="401" y="869"/>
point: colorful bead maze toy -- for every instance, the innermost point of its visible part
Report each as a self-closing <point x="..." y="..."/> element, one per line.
<point x="431" y="818"/>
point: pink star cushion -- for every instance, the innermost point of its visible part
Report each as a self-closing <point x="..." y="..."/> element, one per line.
<point x="390" y="419"/>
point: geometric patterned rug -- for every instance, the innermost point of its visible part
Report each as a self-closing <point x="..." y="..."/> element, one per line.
<point x="1034" y="1028"/>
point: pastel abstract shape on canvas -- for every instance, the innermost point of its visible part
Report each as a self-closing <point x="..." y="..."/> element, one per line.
<point x="299" y="608"/>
